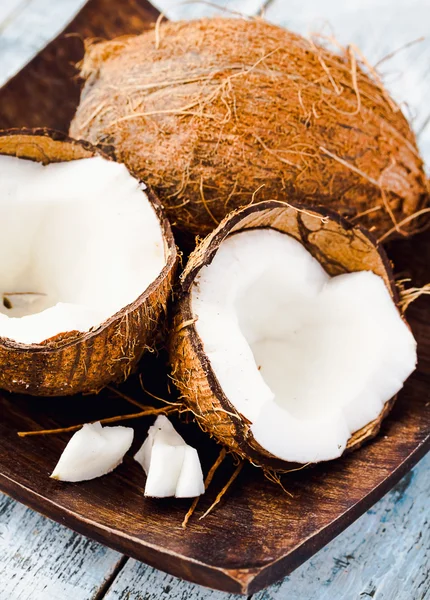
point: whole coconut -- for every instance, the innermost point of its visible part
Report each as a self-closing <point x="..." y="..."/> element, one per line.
<point x="218" y="113"/>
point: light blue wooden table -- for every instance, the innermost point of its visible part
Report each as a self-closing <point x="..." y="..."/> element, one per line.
<point x="385" y="555"/>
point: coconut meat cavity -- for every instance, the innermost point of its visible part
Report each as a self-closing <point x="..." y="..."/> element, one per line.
<point x="80" y="241"/>
<point x="307" y="358"/>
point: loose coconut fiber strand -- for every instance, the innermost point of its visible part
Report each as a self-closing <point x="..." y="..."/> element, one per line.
<point x="208" y="480"/>
<point x="149" y="410"/>
<point x="219" y="113"/>
<point x="409" y="295"/>
<point x="144" y="412"/>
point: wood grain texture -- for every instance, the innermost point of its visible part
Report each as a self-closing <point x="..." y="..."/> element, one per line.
<point x="136" y="581"/>
<point x="40" y="560"/>
<point x="385" y="555"/>
<point x="28" y="25"/>
<point x="46" y="92"/>
<point x="386" y="550"/>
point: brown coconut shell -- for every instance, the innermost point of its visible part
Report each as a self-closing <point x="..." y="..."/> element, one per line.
<point x="73" y="361"/>
<point x="218" y="113"/>
<point x="339" y="246"/>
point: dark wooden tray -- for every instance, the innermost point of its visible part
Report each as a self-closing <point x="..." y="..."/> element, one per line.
<point x="258" y="534"/>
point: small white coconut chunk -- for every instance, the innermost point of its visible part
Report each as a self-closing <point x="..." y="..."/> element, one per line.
<point x="93" y="451"/>
<point x="190" y="482"/>
<point x="80" y="240"/>
<point x="307" y="358"/>
<point x="171" y="466"/>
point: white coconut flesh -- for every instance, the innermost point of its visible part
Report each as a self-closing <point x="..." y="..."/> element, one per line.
<point x="307" y="358"/>
<point x="80" y="241"/>
<point x="172" y="466"/>
<point x="93" y="451"/>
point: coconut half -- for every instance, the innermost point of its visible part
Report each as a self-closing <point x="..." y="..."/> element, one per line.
<point x="172" y="466"/>
<point x="93" y="451"/>
<point x="87" y="268"/>
<point x="288" y="345"/>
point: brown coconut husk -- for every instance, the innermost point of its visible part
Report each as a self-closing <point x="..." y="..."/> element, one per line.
<point x="218" y="113"/>
<point x="73" y="362"/>
<point x="338" y="245"/>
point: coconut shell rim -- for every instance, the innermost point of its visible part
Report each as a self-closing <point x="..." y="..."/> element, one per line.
<point x="265" y="459"/>
<point x="232" y="219"/>
<point x="70" y="338"/>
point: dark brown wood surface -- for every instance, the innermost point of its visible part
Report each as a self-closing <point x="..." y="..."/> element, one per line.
<point x="46" y="92"/>
<point x="258" y="534"/>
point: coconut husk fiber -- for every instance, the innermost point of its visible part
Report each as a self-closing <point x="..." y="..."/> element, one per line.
<point x="339" y="246"/>
<point x="218" y="113"/>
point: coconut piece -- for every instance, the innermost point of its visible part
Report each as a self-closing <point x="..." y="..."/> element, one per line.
<point x="93" y="451"/>
<point x="88" y="265"/>
<point x="172" y="467"/>
<point x="288" y="345"/>
<point x="190" y="481"/>
<point x="229" y="111"/>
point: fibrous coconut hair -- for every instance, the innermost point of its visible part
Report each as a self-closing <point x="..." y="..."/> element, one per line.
<point x="218" y="113"/>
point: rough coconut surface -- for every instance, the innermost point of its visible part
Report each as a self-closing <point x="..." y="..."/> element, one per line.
<point x="303" y="338"/>
<point x="80" y="241"/>
<point x="218" y="113"/>
<point x="306" y="358"/>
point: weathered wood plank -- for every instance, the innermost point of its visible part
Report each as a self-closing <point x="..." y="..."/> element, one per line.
<point x="136" y="581"/>
<point x="385" y="555"/>
<point x="388" y="550"/>
<point x="8" y="10"/>
<point x="28" y="25"/>
<point x="41" y="560"/>
<point x="176" y="10"/>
